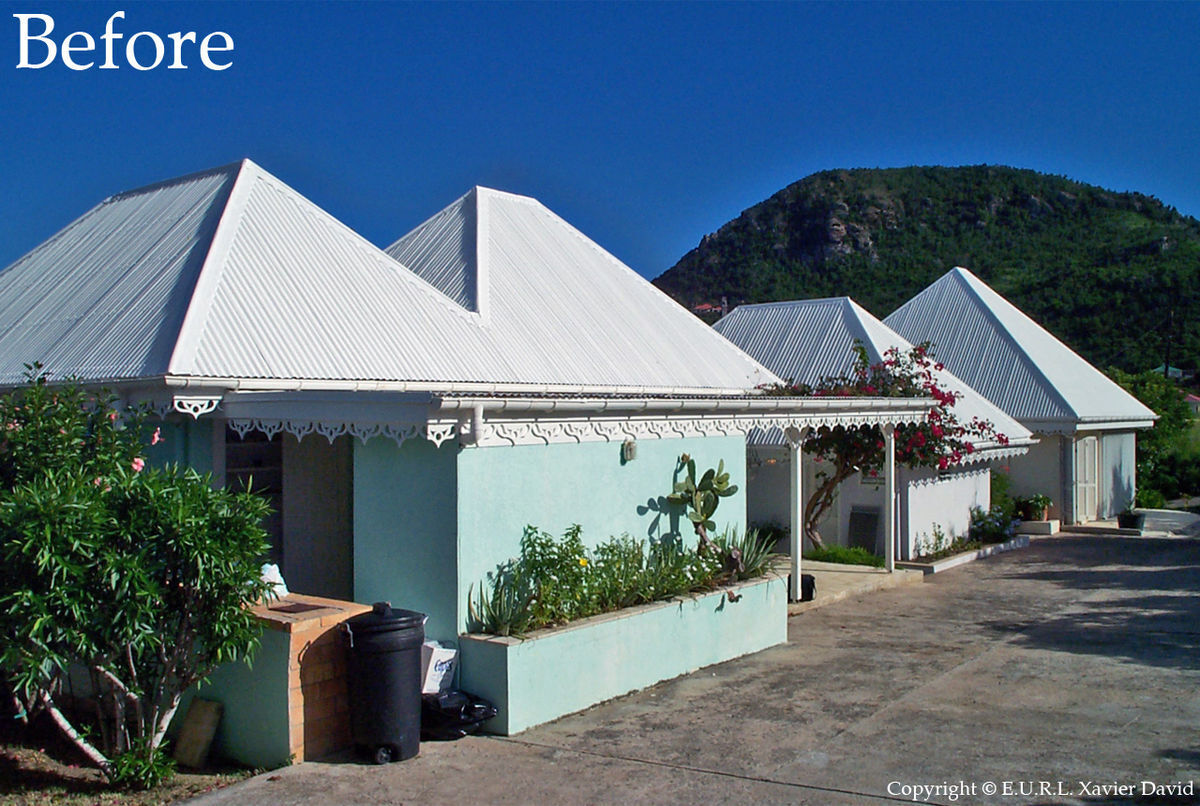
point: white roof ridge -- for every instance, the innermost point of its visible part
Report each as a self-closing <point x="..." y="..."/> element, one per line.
<point x="201" y="298"/>
<point x="971" y="283"/>
<point x="662" y="299"/>
<point x="232" y="168"/>
<point x="80" y="219"/>
<point x="502" y="194"/>
<point x="784" y="302"/>
<point x="200" y="303"/>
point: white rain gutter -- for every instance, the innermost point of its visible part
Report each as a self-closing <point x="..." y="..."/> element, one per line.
<point x="433" y="387"/>
<point x="760" y="405"/>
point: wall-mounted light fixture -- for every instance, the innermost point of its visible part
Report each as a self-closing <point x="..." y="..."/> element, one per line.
<point x="628" y="450"/>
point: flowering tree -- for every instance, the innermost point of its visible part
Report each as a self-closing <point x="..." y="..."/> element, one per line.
<point x="138" y="576"/>
<point x="941" y="442"/>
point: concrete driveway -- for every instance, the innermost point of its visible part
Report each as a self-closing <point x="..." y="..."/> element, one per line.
<point x="1049" y="674"/>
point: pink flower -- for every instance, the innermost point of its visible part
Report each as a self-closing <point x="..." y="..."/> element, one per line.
<point x="112" y="416"/>
<point x="157" y="438"/>
<point x="138" y="464"/>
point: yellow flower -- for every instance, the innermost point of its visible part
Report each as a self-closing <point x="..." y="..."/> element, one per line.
<point x="583" y="561"/>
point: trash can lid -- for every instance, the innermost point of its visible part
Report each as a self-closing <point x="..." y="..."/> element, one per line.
<point x="385" y="618"/>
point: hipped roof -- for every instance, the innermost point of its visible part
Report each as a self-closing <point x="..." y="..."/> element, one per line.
<point x="231" y="274"/>
<point x="988" y="342"/>
<point x="805" y="341"/>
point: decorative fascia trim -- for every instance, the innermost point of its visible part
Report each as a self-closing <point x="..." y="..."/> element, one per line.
<point x="195" y="405"/>
<point x="401" y="416"/>
<point x="397" y="416"/>
<point x="545" y="430"/>
<point x="935" y="477"/>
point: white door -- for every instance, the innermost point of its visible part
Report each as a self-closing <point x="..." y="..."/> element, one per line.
<point x="1087" y="473"/>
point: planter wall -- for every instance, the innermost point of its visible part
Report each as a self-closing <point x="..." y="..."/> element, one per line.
<point x="946" y="563"/>
<point x="555" y="672"/>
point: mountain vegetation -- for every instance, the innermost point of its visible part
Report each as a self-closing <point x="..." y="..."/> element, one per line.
<point x="1112" y="274"/>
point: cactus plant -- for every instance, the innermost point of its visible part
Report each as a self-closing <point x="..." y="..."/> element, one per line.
<point x="701" y="497"/>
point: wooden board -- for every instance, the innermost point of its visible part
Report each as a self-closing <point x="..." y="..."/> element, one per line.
<point x="196" y="735"/>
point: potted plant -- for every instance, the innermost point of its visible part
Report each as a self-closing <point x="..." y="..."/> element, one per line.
<point x="1128" y="519"/>
<point x="1035" y="507"/>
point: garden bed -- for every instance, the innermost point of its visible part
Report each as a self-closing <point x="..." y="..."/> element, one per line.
<point x="1018" y="542"/>
<point x="553" y="672"/>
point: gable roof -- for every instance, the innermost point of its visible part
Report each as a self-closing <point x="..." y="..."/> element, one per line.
<point x="230" y="274"/>
<point x="988" y="342"/>
<point x="807" y="340"/>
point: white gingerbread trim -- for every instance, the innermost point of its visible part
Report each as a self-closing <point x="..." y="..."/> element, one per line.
<point x="196" y="405"/>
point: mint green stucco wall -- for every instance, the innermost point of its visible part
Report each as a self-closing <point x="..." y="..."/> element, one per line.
<point x="254" y="721"/>
<point x="561" y="671"/>
<point x="186" y="442"/>
<point x="404" y="529"/>
<point x="502" y="489"/>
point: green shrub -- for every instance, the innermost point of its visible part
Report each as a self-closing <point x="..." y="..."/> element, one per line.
<point x="940" y="545"/>
<point x="555" y="581"/>
<point x="1150" y="499"/>
<point x="140" y="577"/>
<point x="845" y="555"/>
<point x="1001" y="495"/>
<point x="142" y="767"/>
<point x="993" y="526"/>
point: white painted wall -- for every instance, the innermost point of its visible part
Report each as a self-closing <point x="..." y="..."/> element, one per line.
<point x="945" y="501"/>
<point x="925" y="499"/>
<point x="768" y="486"/>
<point x="768" y="491"/>
<point x="1040" y="472"/>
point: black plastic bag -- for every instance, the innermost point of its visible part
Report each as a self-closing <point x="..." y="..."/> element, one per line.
<point x="453" y="714"/>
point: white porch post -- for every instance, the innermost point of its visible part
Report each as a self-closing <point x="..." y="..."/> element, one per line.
<point x="795" y="438"/>
<point x="889" y="486"/>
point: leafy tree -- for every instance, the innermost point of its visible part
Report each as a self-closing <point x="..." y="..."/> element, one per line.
<point x="1159" y="449"/>
<point x="139" y="576"/>
<point x="942" y="441"/>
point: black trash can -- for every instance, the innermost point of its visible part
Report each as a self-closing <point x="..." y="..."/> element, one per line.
<point x="385" y="682"/>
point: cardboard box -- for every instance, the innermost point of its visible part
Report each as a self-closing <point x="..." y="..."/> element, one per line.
<point x="437" y="667"/>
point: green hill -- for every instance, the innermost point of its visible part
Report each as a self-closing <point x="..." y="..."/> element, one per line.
<point x="1112" y="274"/>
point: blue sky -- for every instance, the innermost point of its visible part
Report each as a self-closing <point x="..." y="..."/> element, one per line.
<point x="645" y="125"/>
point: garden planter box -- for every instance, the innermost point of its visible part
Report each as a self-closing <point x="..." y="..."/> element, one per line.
<point x="558" y="671"/>
<point x="1046" y="527"/>
<point x="945" y="564"/>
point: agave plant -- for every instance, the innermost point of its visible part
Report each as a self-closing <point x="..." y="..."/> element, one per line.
<point x="506" y="611"/>
<point x="702" y="497"/>
<point x="746" y="556"/>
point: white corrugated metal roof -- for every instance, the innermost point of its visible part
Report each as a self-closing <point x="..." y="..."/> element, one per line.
<point x="231" y="274"/>
<point x="807" y="340"/>
<point x="564" y="308"/>
<point x="988" y="342"/>
<point x="105" y="297"/>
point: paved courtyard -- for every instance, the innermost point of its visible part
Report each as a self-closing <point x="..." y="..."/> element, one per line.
<point x="1058" y="670"/>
